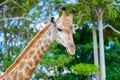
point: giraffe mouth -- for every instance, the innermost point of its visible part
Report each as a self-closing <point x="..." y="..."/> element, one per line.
<point x="71" y="51"/>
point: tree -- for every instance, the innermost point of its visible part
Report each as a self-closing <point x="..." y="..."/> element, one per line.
<point x="99" y="8"/>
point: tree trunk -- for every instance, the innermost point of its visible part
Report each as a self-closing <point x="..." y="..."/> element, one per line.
<point x="95" y="49"/>
<point x="101" y="44"/>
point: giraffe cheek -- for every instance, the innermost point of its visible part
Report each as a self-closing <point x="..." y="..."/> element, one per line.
<point x="60" y="41"/>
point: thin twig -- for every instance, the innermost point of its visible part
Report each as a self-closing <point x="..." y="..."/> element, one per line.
<point x="80" y="17"/>
<point x="108" y="25"/>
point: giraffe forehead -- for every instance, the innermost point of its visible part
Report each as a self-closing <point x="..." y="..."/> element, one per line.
<point x="66" y="21"/>
<point x="67" y="26"/>
<point x="63" y="20"/>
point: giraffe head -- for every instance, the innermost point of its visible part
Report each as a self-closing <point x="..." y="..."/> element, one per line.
<point x="65" y="28"/>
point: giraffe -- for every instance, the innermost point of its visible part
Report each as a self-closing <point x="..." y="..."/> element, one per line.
<point x="60" y="30"/>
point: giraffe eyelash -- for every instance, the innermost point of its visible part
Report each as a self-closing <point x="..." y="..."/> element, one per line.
<point x="59" y="29"/>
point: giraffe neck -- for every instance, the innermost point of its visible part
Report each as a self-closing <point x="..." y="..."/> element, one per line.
<point x="26" y="63"/>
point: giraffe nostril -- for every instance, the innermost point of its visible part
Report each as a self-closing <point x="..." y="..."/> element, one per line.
<point x="72" y="46"/>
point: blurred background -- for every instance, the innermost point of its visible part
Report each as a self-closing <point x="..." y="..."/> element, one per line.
<point x="18" y="25"/>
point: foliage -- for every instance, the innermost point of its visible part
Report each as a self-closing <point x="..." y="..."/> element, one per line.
<point x="56" y="60"/>
<point x="7" y="61"/>
<point x="112" y="61"/>
<point x="84" y="69"/>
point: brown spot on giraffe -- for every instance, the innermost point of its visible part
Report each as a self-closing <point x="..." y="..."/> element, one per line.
<point x="33" y="68"/>
<point x="27" y="78"/>
<point x="35" y="57"/>
<point x="8" y="78"/>
<point x="38" y="51"/>
<point x="31" y="53"/>
<point x="30" y="63"/>
<point x="20" y="77"/>
<point x="15" y="75"/>
<point x="40" y="55"/>
<point x="37" y="46"/>
<point x="22" y="64"/>
<point x="27" y="69"/>
<point x="36" y="60"/>
<point x="42" y="48"/>
<point x="46" y="45"/>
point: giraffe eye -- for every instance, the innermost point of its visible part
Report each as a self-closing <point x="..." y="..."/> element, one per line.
<point x="75" y="26"/>
<point x="59" y="29"/>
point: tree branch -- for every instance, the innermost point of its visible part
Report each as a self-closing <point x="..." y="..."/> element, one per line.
<point x="3" y="13"/>
<point x="94" y="8"/>
<point x="103" y="11"/>
<point x="14" y="2"/>
<point x="111" y="28"/>
<point x="81" y="16"/>
<point x="17" y="4"/>
<point x="17" y="18"/>
<point x="4" y="2"/>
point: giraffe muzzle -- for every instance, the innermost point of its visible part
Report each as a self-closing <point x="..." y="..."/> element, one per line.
<point x="71" y="49"/>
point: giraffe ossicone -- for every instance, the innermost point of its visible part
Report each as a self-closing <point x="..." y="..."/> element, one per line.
<point x="60" y="30"/>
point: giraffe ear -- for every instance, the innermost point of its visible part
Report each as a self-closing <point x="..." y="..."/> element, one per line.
<point x="75" y="27"/>
<point x="52" y="19"/>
